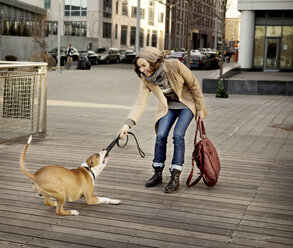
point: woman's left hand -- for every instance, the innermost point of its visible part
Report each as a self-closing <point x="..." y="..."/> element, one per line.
<point x="200" y="114"/>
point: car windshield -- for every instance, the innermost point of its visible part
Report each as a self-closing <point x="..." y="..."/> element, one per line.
<point x="102" y="50"/>
<point x="177" y="55"/>
<point x="195" y="51"/>
<point x="54" y="50"/>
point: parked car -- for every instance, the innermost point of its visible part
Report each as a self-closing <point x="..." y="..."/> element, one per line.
<point x="197" y="61"/>
<point x="195" y="51"/>
<point x="177" y="55"/>
<point x="205" y="50"/>
<point x="108" y="55"/>
<point x="91" y="55"/>
<point x="63" y="56"/>
<point x="127" y="56"/>
<point x="213" y="59"/>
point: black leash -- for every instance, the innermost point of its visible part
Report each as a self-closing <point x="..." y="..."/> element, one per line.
<point x="116" y="141"/>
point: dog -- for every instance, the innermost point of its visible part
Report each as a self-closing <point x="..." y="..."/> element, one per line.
<point x="57" y="182"/>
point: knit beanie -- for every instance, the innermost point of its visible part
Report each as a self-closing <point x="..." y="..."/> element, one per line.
<point x="150" y="54"/>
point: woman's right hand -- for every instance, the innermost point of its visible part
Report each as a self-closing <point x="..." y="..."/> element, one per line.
<point x="123" y="131"/>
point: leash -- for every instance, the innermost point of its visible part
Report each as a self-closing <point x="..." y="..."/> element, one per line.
<point x="116" y="141"/>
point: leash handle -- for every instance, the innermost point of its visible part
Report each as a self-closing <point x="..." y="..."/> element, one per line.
<point x="141" y="153"/>
<point x="116" y="141"/>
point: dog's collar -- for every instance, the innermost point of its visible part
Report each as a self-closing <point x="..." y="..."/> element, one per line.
<point x="84" y="165"/>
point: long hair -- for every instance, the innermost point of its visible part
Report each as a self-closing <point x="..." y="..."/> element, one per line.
<point x="153" y="66"/>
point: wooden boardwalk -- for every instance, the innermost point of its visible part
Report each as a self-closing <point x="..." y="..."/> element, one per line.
<point x="251" y="206"/>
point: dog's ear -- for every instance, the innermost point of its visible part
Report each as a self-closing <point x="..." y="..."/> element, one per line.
<point x="92" y="160"/>
<point x="89" y="162"/>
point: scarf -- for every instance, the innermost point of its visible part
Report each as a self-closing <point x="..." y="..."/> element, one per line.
<point x="158" y="77"/>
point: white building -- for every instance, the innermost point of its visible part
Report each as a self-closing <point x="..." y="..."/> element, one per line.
<point x="105" y="23"/>
<point x="266" y="34"/>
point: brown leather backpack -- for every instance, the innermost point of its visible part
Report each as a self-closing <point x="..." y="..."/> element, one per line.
<point x="206" y="157"/>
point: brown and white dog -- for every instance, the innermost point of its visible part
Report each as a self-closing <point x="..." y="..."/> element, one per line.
<point x="57" y="182"/>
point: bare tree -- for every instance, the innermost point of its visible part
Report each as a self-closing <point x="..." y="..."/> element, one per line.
<point x="38" y="34"/>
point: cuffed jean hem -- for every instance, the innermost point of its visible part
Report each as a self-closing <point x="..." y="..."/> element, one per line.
<point x="177" y="167"/>
<point x="156" y="164"/>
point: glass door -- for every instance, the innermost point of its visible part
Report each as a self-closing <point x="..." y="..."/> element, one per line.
<point x="272" y="54"/>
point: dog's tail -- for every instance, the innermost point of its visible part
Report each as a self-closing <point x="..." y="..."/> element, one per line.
<point x="25" y="171"/>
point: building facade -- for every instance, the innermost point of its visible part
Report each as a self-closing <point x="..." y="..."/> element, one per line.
<point x="266" y="35"/>
<point x="117" y="25"/>
<point x="90" y="24"/>
<point x="205" y="24"/>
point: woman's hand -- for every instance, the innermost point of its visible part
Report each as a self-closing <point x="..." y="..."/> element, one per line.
<point x="200" y="114"/>
<point x="123" y="131"/>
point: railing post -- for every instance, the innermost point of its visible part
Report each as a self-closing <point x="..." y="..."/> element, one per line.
<point x="43" y="101"/>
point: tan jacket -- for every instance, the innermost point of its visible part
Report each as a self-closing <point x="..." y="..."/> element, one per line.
<point x="182" y="82"/>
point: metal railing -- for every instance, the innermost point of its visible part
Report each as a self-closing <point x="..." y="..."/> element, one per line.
<point x="23" y="99"/>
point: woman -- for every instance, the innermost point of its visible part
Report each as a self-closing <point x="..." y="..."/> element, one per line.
<point x="180" y="98"/>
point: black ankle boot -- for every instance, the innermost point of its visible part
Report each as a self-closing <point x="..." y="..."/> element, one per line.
<point x="173" y="184"/>
<point x="156" y="178"/>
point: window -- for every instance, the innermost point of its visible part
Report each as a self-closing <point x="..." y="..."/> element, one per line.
<point x="133" y="12"/>
<point x="132" y="35"/>
<point x="123" y="35"/>
<point x="75" y="28"/>
<point x="142" y="14"/>
<point x="75" y="7"/>
<point x="116" y="31"/>
<point x="259" y="37"/>
<point x="107" y="13"/>
<point x="151" y="17"/>
<point x="125" y="9"/>
<point x="47" y="4"/>
<point x="148" y="38"/>
<point x="141" y="37"/>
<point x="274" y="31"/>
<point x="107" y="30"/>
<point x="51" y="28"/>
<point x="287" y="47"/>
<point x="117" y="7"/>
<point x="161" y="17"/>
<point x="154" y="38"/>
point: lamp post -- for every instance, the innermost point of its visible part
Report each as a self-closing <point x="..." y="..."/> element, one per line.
<point x="137" y="27"/>
<point x="58" y="36"/>
<point x="188" y="31"/>
<point x="216" y="27"/>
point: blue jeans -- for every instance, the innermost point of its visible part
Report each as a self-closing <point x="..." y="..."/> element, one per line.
<point x="184" y="117"/>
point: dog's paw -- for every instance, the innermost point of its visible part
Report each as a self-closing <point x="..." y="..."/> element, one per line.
<point x="108" y="201"/>
<point x="114" y="202"/>
<point x="74" y="212"/>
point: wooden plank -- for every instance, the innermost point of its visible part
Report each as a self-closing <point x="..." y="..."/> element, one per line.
<point x="251" y="206"/>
